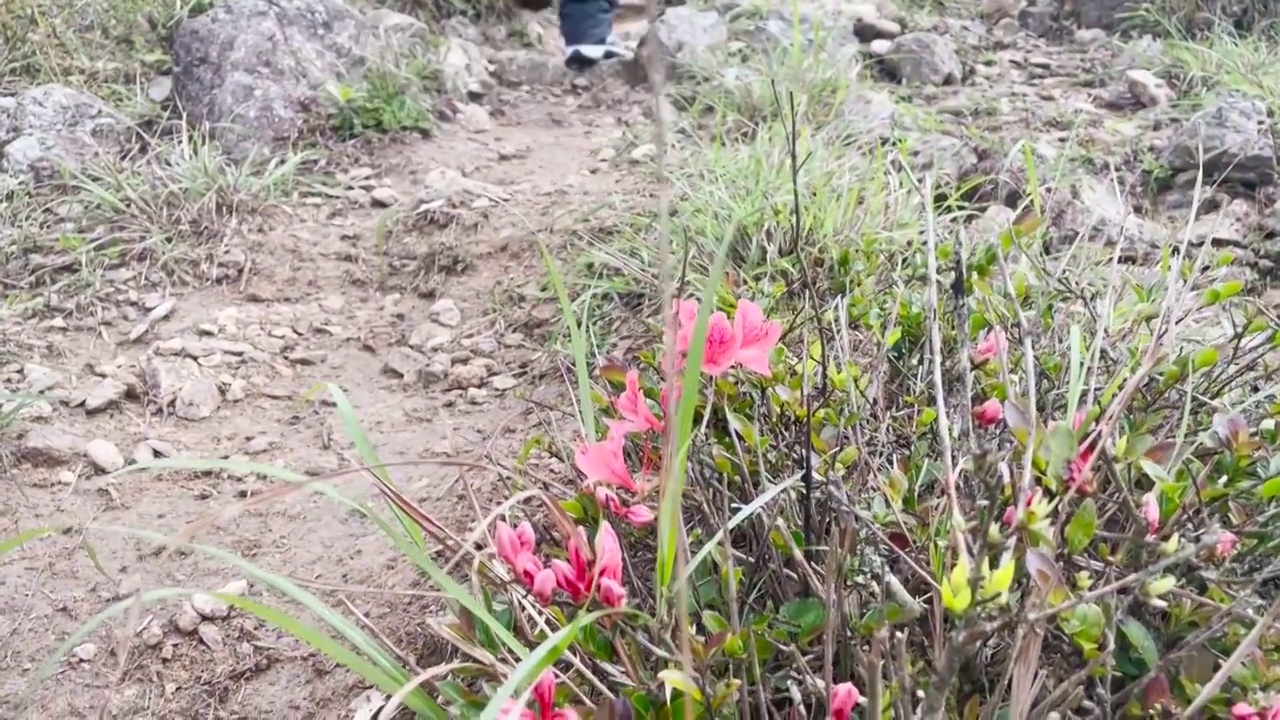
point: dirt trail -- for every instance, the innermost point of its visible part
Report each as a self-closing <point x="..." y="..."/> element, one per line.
<point x="308" y="307"/>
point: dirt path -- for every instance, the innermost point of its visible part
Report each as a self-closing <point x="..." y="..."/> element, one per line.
<point x="306" y="311"/>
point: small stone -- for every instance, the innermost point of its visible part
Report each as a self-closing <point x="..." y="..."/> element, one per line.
<point x="466" y="376"/>
<point x="66" y="477"/>
<point x="1149" y="90"/>
<point x="1090" y="36"/>
<point x="606" y="154"/>
<point x="143" y="453"/>
<point x="237" y="390"/>
<point x="210" y="607"/>
<point x="211" y="636"/>
<point x="187" y="619"/>
<point x="434" y="373"/>
<point x="332" y="303"/>
<point x="880" y="48"/>
<point x="642" y="153"/>
<point x="152" y="635"/>
<point x="238" y="588"/>
<point x="383" y="196"/>
<point x="445" y="312"/>
<point x="308" y="357"/>
<point x="162" y="448"/>
<point x="85" y="652"/>
<point x="198" y="399"/>
<point x="404" y="362"/>
<point x="104" y="394"/>
<point x="474" y="118"/>
<point x="477" y="396"/>
<point x="260" y="444"/>
<point x="104" y="455"/>
<point x="428" y="336"/>
<point x="503" y="382"/>
<point x="38" y="379"/>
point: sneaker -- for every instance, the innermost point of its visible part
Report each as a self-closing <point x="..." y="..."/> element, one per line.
<point x="580" y="58"/>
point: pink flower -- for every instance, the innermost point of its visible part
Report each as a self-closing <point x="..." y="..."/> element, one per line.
<point x="544" y="697"/>
<point x="1243" y="711"/>
<point x="634" y="409"/>
<point x="721" y="349"/>
<point x="988" y="413"/>
<point x="989" y="347"/>
<point x="844" y="698"/>
<point x="637" y="515"/>
<point x="515" y="549"/>
<point x="1226" y="544"/>
<point x="1011" y="513"/>
<point x="686" y="318"/>
<point x="578" y="577"/>
<point x="543" y="586"/>
<point x="757" y="336"/>
<point x="604" y="462"/>
<point x="1079" y="476"/>
<point x="1151" y="513"/>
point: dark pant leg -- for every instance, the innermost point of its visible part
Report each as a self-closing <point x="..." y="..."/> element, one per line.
<point x="586" y="22"/>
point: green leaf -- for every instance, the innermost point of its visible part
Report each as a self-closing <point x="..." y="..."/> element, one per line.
<point x="806" y="613"/>
<point x="714" y="622"/>
<point x="1082" y="526"/>
<point x="1062" y="447"/>
<point x="1270" y="488"/>
<point x="743" y="428"/>
<point x="1205" y="358"/>
<point x="1142" y="642"/>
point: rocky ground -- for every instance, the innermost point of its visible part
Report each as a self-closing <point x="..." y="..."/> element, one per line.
<point x="163" y="303"/>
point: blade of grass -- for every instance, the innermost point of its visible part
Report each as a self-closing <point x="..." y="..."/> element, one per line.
<point x="738" y="518"/>
<point x="578" y="342"/>
<point x="675" y="470"/>
<point x="364" y="448"/>
<point x="26" y="536"/>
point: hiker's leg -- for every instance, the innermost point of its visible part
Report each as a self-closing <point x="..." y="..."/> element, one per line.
<point x="587" y="28"/>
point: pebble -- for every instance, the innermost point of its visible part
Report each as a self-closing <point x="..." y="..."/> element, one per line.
<point x="86" y="652"/>
<point x="477" y="396"/>
<point x="210" y="607"/>
<point x="642" y="153"/>
<point x="104" y="455"/>
<point x="198" y="399"/>
<point x="503" y="382"/>
<point x="308" y="357"/>
<point x="404" y="363"/>
<point x="462" y="377"/>
<point x="152" y="635"/>
<point x="104" y="394"/>
<point x="187" y="619"/>
<point x="445" y="311"/>
<point x="384" y="196"/>
<point x="211" y="636"/>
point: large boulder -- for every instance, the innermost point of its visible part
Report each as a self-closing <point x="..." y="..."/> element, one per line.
<point x="250" y="72"/>
<point x="678" y="39"/>
<point x="51" y="127"/>
<point x="1232" y="142"/>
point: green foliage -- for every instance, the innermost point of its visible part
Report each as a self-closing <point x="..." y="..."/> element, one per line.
<point x="384" y="102"/>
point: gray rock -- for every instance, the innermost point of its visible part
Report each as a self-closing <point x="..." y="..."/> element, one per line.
<point x="530" y="68"/>
<point x="1095" y="211"/>
<point x="38" y="378"/>
<point x="1149" y="90"/>
<point x="464" y="70"/>
<point x="49" y="127"/>
<point x="85" y="652"/>
<point x="1235" y="140"/>
<point x="198" y="399"/>
<point x="1039" y="20"/>
<point x="105" y="393"/>
<point x="210" y="607"/>
<point x="462" y="377"/>
<point x="211" y="636"/>
<point x="947" y="159"/>
<point x="104" y="455"/>
<point x="152" y="635"/>
<point x="51" y="446"/>
<point x="250" y="71"/>
<point x="923" y="58"/>
<point x="680" y="37"/>
<point x="404" y="363"/>
<point x="187" y="619"/>
<point x="445" y="312"/>
<point x="866" y="113"/>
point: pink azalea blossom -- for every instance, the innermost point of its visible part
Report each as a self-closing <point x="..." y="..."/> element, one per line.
<point x="544" y="697"/>
<point x="1079" y="476"/>
<point x="579" y="577"/>
<point x="989" y="347"/>
<point x="515" y="549"/>
<point x="1151" y="512"/>
<point x="636" y="515"/>
<point x="844" y="698"/>
<point x="686" y="317"/>
<point x="721" y="349"/>
<point x="604" y="462"/>
<point x="634" y="409"/>
<point x="989" y="413"/>
<point x="1226" y="545"/>
<point x="757" y="336"/>
<point x="1244" y="711"/>
<point x="1011" y="512"/>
